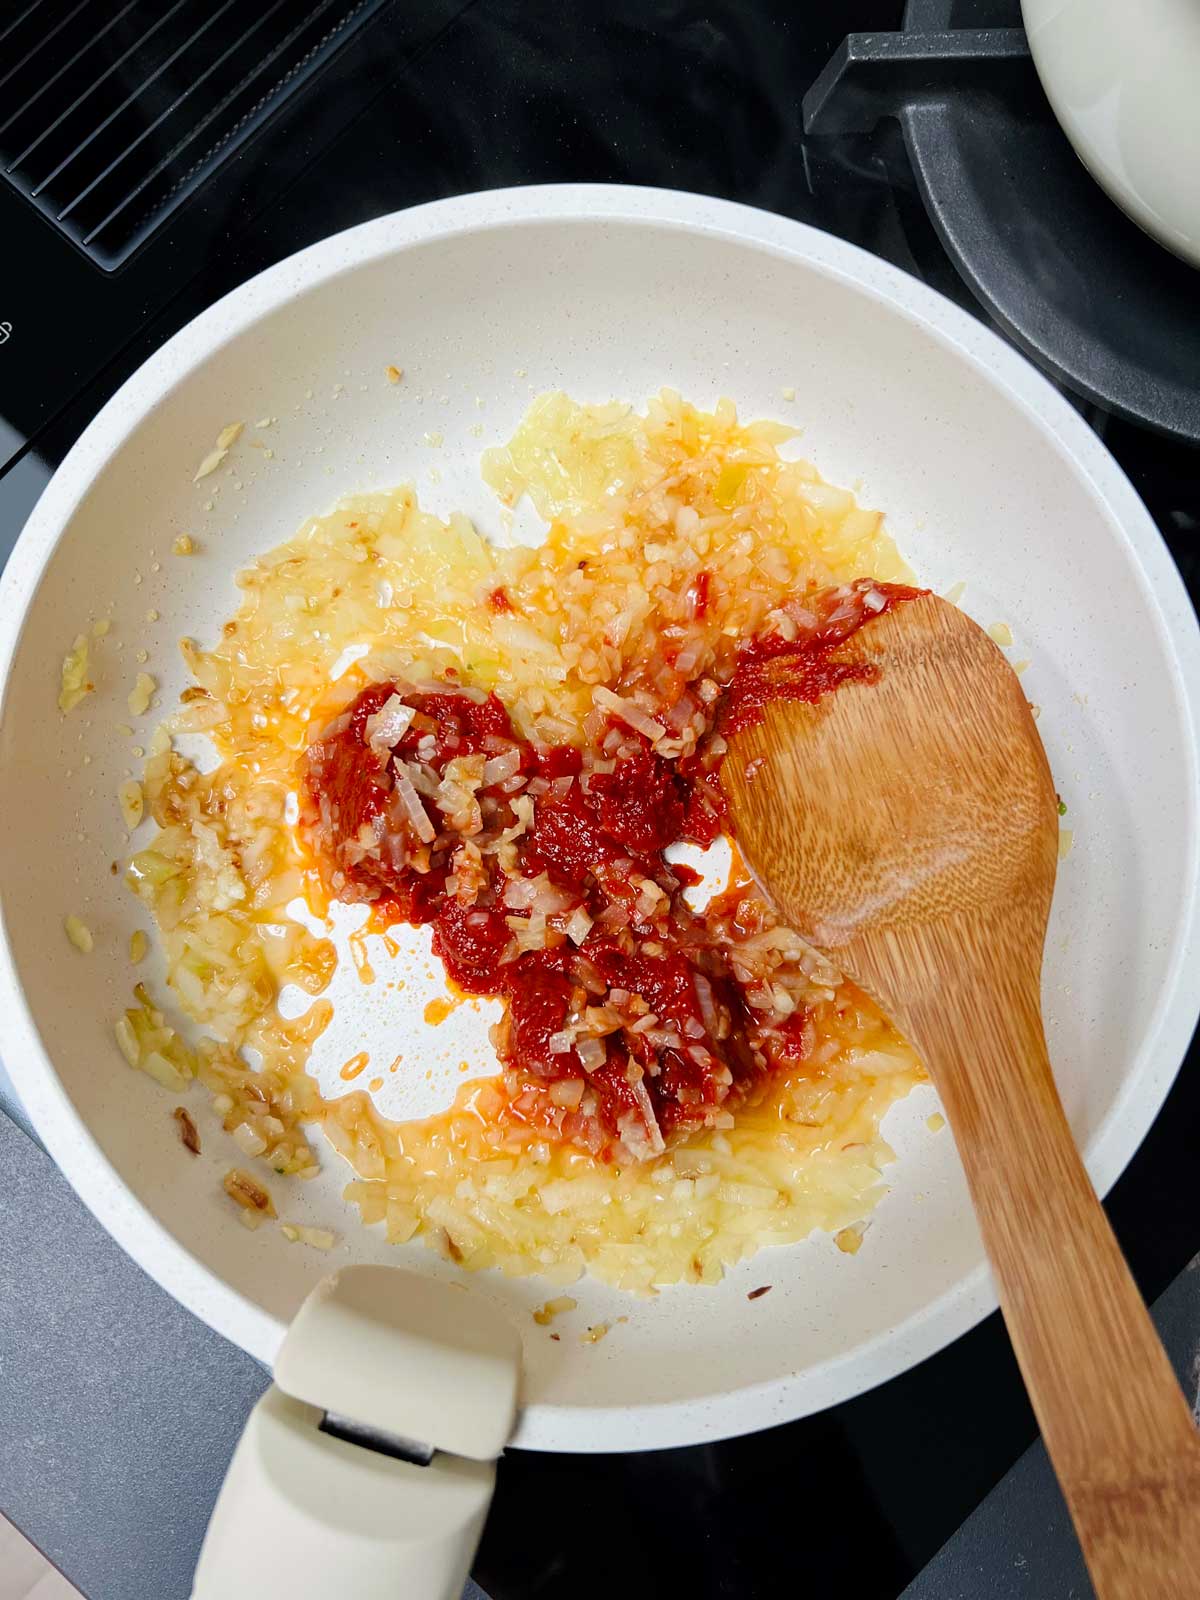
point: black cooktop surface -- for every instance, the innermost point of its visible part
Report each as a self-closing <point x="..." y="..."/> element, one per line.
<point x="416" y="99"/>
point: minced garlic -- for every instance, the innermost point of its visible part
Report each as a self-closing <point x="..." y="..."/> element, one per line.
<point x="132" y="803"/>
<point x="75" y="682"/>
<point x="210" y="463"/>
<point x="546" y="1314"/>
<point x="318" y="1238"/>
<point x="141" y="693"/>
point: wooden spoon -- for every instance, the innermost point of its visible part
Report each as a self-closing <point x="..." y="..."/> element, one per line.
<point x="908" y="826"/>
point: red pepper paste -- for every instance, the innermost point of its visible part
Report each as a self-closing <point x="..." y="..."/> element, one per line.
<point x="541" y="870"/>
<point x="805" y="668"/>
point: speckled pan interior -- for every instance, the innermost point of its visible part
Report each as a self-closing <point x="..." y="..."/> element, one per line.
<point x="987" y="476"/>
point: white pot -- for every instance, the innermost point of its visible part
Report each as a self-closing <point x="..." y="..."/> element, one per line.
<point x="1124" y="82"/>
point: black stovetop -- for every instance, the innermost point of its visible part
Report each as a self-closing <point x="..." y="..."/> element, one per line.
<point x="437" y="97"/>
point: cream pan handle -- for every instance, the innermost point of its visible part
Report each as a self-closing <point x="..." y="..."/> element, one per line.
<point x="380" y="1487"/>
<point x="308" y="1516"/>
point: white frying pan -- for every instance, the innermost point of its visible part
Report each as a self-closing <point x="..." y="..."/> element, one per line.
<point x="987" y="476"/>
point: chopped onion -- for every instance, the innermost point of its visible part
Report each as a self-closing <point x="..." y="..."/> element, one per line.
<point x="388" y="726"/>
<point x="708" y="1005"/>
<point x="248" y="1141"/>
<point x="162" y="1070"/>
<point x="801" y="614"/>
<point x="567" y="1092"/>
<point x="602" y="1019"/>
<point x="685" y="708"/>
<point x="465" y="691"/>
<point x="501" y="767"/>
<point x="530" y="931"/>
<point x="644" y="1024"/>
<point x="633" y="716"/>
<point x="653" y="1137"/>
<point x="536" y="894"/>
<point x="520" y="893"/>
<point x="592" y="1052"/>
<point x="410" y="802"/>
<point x="317" y="1238"/>
<point x="751" y="1195"/>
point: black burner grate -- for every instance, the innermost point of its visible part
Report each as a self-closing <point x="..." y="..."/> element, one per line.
<point x="113" y="112"/>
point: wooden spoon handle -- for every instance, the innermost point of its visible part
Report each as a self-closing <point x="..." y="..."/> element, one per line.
<point x="1118" y="1430"/>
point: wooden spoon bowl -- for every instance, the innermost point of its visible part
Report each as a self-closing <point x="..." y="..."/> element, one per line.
<point x="907" y="825"/>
